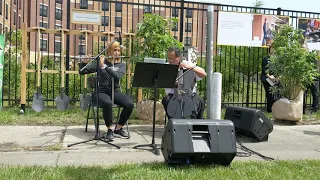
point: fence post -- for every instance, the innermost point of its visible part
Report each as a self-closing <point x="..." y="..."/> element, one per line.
<point x="68" y="48"/>
<point x="279" y="11"/>
<point x="209" y="59"/>
<point x="181" y="20"/>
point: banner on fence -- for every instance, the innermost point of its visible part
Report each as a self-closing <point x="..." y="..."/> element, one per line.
<point x="245" y="29"/>
<point x="311" y="32"/>
<point x="2" y="48"/>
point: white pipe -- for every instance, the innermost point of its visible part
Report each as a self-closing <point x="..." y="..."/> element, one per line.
<point x="209" y="59"/>
<point x="215" y="97"/>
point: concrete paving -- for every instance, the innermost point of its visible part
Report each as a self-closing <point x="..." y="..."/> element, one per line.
<point x="47" y="145"/>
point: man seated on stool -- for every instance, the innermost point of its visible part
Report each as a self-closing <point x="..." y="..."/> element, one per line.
<point x="174" y="58"/>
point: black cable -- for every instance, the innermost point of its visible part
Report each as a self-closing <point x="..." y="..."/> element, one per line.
<point x="248" y="152"/>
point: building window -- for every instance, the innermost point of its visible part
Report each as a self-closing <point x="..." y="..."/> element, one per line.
<point x="188" y="27"/>
<point x="58" y="14"/>
<point x="175" y="37"/>
<point x="82" y="49"/>
<point x="7" y="11"/>
<point x="1" y="1"/>
<point x="83" y="4"/>
<point x="43" y="45"/>
<point x="19" y="23"/>
<point x="43" y="24"/>
<point x="103" y="38"/>
<point x="175" y="12"/>
<point x="189" y="13"/>
<point x="105" y="6"/>
<point x="59" y="1"/>
<point x="58" y="26"/>
<point x="43" y="10"/>
<point x="175" y="27"/>
<point x="105" y="21"/>
<point x="82" y="37"/>
<point x="187" y="41"/>
<point x="57" y="47"/>
<point x="118" y="22"/>
<point x="15" y="1"/>
<point x="14" y="18"/>
<point x="118" y="7"/>
<point x="205" y="42"/>
<point x="147" y="9"/>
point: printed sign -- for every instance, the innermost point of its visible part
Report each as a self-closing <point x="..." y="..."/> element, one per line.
<point x="244" y="29"/>
<point x="80" y="16"/>
<point x="311" y="31"/>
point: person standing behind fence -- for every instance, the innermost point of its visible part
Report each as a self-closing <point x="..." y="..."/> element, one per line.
<point x="264" y="76"/>
<point x="314" y="91"/>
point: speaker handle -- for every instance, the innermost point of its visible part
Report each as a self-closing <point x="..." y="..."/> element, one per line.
<point x="237" y="113"/>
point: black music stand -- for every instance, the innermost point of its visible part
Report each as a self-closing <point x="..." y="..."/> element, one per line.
<point x="154" y="75"/>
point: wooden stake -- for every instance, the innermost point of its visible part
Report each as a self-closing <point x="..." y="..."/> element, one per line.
<point x="24" y="65"/>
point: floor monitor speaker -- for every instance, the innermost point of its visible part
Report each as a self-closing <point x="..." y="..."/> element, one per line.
<point x="195" y="141"/>
<point x="249" y="122"/>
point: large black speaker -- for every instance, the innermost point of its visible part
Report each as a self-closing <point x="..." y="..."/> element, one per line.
<point x="195" y="141"/>
<point x="250" y="122"/>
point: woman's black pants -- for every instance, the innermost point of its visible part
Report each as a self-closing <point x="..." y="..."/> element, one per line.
<point x="120" y="99"/>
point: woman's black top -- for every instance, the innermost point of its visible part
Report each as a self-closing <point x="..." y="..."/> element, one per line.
<point x="105" y="80"/>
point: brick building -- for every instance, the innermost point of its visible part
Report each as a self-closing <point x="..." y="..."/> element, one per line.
<point x="52" y="14"/>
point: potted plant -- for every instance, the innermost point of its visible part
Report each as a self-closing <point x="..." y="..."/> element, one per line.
<point x="293" y="65"/>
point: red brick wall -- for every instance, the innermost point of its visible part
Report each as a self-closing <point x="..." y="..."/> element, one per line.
<point x="257" y="26"/>
<point x="198" y="33"/>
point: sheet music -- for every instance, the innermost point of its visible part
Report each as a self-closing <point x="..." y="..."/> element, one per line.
<point x="270" y="81"/>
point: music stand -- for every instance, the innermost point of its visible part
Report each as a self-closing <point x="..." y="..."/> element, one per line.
<point x="154" y="75"/>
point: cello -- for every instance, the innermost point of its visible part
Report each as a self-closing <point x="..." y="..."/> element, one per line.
<point x="181" y="105"/>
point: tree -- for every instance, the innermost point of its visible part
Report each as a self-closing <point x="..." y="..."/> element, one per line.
<point x="257" y="4"/>
<point x="153" y="39"/>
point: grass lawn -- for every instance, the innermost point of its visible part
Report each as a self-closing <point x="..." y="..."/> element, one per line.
<point x="50" y="116"/>
<point x="75" y="116"/>
<point x="305" y="169"/>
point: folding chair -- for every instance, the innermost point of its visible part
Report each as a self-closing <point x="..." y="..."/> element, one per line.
<point x="93" y="107"/>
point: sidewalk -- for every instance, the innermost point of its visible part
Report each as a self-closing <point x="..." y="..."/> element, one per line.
<point x="47" y="145"/>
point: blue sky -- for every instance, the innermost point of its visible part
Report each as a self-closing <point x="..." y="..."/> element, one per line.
<point x="309" y="5"/>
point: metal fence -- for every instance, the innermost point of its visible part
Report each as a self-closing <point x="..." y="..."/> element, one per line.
<point x="240" y="66"/>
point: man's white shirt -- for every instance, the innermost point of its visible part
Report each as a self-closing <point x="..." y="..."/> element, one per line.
<point x="171" y="90"/>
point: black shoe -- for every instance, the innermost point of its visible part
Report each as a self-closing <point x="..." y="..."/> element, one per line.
<point x="108" y="135"/>
<point x="121" y="133"/>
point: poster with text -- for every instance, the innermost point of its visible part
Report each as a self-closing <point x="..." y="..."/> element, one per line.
<point x="311" y="31"/>
<point x="2" y="47"/>
<point x="244" y="29"/>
